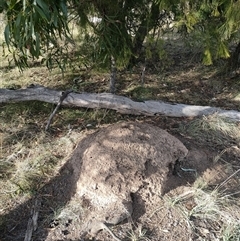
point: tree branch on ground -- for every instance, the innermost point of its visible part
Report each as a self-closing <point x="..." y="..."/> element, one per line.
<point x="121" y="104"/>
<point x="64" y="95"/>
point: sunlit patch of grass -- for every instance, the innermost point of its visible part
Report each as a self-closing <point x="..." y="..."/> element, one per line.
<point x="213" y="207"/>
<point x="34" y="171"/>
<point x="141" y="93"/>
<point x="33" y="75"/>
<point x="138" y="234"/>
<point x="87" y="118"/>
<point x="231" y="233"/>
<point x="212" y="129"/>
<point x="7" y="163"/>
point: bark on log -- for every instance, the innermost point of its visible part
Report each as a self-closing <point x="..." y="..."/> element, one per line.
<point x="32" y="222"/>
<point x="121" y="104"/>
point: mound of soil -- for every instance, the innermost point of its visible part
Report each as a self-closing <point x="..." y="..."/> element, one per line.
<point x="128" y="176"/>
<point x="123" y="171"/>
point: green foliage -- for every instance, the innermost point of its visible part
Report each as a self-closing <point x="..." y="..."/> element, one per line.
<point x="33" y="26"/>
<point x="120" y="30"/>
<point x="40" y="28"/>
<point x="141" y="93"/>
<point x="214" y="24"/>
<point x="207" y="58"/>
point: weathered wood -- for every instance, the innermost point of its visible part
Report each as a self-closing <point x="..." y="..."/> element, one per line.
<point x="32" y="222"/>
<point x="64" y="95"/>
<point x="121" y="104"/>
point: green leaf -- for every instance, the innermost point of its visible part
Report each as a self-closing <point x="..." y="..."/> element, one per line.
<point x="223" y="51"/>
<point x="215" y="13"/>
<point x="55" y="18"/>
<point x="63" y="7"/>
<point x="42" y="4"/>
<point x="7" y="35"/>
<point x="44" y="7"/>
<point x="207" y="58"/>
<point x="18" y="20"/>
<point x="40" y="12"/>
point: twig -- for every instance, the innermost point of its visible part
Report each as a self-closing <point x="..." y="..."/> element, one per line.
<point x="64" y="95"/>
<point x="227" y="180"/>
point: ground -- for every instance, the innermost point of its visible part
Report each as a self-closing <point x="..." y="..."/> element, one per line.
<point x="195" y="205"/>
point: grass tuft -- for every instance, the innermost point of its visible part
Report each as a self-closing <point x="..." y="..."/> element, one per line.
<point x="212" y="207"/>
<point x="213" y="130"/>
<point x="138" y="234"/>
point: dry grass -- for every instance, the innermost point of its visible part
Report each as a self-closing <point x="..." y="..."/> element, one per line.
<point x="212" y="129"/>
<point x="29" y="162"/>
<point x="211" y="211"/>
<point x="138" y="234"/>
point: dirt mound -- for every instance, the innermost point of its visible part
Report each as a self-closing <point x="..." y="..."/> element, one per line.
<point x="124" y="169"/>
<point x="137" y="175"/>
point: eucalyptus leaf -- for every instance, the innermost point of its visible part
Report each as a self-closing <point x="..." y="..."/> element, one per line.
<point x="7" y="34"/>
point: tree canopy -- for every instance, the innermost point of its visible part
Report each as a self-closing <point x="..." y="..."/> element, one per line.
<point x="115" y="28"/>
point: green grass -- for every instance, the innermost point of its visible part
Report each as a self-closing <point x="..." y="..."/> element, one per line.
<point x="141" y="93"/>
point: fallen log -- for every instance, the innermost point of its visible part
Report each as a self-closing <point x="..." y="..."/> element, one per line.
<point x="121" y="104"/>
<point x="32" y="222"/>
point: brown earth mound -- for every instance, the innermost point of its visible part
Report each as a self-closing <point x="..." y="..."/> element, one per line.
<point x="124" y="169"/>
<point x="132" y="174"/>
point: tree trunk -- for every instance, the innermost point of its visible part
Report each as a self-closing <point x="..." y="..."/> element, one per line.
<point x="113" y="75"/>
<point x="147" y="24"/>
<point x="234" y="60"/>
<point x="121" y="104"/>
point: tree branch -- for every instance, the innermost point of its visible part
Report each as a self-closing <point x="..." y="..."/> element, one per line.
<point x="121" y="104"/>
<point x="64" y="95"/>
